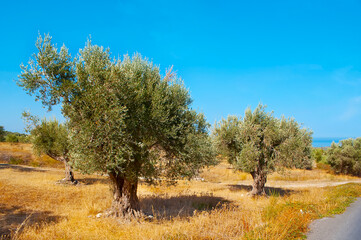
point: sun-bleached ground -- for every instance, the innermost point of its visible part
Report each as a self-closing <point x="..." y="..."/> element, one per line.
<point x="214" y="206"/>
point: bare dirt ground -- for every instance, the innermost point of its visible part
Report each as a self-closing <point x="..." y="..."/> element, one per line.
<point x="309" y="184"/>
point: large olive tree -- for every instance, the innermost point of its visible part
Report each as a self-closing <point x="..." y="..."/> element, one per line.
<point x="51" y="138"/>
<point x="259" y="144"/>
<point x="125" y="119"/>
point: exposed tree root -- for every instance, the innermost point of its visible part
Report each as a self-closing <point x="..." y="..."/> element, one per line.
<point x="66" y="181"/>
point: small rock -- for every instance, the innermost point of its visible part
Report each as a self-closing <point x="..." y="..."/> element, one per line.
<point x="198" y="179"/>
<point x="147" y="217"/>
<point x="98" y="215"/>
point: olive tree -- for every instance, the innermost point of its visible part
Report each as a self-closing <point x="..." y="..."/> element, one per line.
<point x="345" y="157"/>
<point x="259" y="144"/>
<point x="125" y="118"/>
<point x="2" y="134"/>
<point x="51" y="138"/>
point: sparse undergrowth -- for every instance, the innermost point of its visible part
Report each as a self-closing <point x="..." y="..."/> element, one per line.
<point x="216" y="206"/>
<point x="225" y="173"/>
<point x="189" y="210"/>
<point x="22" y="153"/>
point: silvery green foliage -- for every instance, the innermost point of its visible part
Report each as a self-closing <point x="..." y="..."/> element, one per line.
<point x="123" y="115"/>
<point x="259" y="141"/>
<point x="345" y="157"/>
<point x="48" y="136"/>
<point x="49" y="76"/>
<point x="2" y="133"/>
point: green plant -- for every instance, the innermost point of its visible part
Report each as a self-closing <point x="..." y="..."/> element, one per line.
<point x="260" y="144"/>
<point x="24" y="139"/>
<point x="319" y="155"/>
<point x="125" y="118"/>
<point x="2" y="134"/>
<point x="16" y="160"/>
<point x="51" y="138"/>
<point x="345" y="157"/>
<point x="11" y="138"/>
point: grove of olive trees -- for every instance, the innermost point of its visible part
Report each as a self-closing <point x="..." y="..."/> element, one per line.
<point x="126" y="120"/>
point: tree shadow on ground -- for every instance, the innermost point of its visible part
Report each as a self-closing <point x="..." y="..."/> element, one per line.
<point x="270" y="191"/>
<point x="13" y="219"/>
<point x="91" y="181"/>
<point x="167" y="207"/>
<point x="20" y="168"/>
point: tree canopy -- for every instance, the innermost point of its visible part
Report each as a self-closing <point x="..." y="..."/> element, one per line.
<point x="125" y="118"/>
<point x="2" y="134"/>
<point x="345" y="157"/>
<point x="259" y="144"/>
<point x="51" y="138"/>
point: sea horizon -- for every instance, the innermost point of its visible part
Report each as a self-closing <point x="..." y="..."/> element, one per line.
<point x="326" y="141"/>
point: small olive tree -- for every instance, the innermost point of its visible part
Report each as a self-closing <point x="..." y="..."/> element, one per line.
<point x="345" y="157"/>
<point x="2" y="134"/>
<point x="259" y="144"/>
<point x="51" y="138"/>
<point x="125" y="119"/>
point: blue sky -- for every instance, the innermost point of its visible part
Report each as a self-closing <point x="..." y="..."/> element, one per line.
<point x="301" y="58"/>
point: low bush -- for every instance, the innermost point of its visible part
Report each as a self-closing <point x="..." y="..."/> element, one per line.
<point x="345" y="157"/>
<point x="319" y="155"/>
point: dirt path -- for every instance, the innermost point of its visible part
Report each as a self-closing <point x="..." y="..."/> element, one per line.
<point x="308" y="184"/>
<point x="287" y="186"/>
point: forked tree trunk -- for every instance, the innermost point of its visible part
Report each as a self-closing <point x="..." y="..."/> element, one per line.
<point x="125" y="201"/>
<point x="259" y="181"/>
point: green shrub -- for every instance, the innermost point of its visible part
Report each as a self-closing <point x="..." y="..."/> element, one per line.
<point x="16" y="160"/>
<point x="345" y="157"/>
<point x="319" y="155"/>
<point x="11" y="138"/>
<point x="24" y="139"/>
<point x="2" y="134"/>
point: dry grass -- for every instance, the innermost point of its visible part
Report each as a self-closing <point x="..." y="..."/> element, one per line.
<point x="216" y="208"/>
<point x="308" y="175"/>
<point x="190" y="210"/>
<point x="224" y="172"/>
<point x="22" y="153"/>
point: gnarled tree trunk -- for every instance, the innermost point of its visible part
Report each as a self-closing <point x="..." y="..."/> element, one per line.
<point x="69" y="176"/>
<point x="259" y="181"/>
<point x="125" y="201"/>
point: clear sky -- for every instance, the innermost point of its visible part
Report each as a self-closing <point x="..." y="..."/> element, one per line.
<point x="301" y="58"/>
